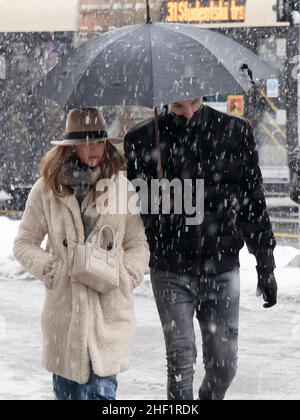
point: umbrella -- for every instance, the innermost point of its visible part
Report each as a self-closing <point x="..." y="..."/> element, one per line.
<point x="152" y="64"/>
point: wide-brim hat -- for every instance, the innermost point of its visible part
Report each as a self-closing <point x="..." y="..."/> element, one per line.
<point x="86" y="125"/>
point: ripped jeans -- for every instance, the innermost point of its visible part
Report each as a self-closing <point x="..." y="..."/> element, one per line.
<point x="215" y="301"/>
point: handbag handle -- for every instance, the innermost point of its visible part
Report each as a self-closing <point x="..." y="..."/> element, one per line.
<point x="113" y="234"/>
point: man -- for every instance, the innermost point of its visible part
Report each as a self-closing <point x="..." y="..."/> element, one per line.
<point x="195" y="269"/>
<point x="294" y="163"/>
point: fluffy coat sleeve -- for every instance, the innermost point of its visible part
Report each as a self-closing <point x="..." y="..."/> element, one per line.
<point x="136" y="249"/>
<point x="31" y="233"/>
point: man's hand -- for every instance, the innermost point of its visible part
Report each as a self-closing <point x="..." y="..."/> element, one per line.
<point x="267" y="287"/>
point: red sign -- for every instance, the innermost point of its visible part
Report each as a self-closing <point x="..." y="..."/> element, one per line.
<point x="236" y="105"/>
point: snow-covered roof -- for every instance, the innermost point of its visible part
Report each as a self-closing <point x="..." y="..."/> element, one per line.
<point x="38" y="15"/>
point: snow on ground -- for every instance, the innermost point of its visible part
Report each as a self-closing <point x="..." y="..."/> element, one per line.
<point x="269" y="357"/>
<point x="4" y="195"/>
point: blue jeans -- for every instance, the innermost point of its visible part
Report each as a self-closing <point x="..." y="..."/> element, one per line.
<point x="98" y="388"/>
<point x="215" y="301"/>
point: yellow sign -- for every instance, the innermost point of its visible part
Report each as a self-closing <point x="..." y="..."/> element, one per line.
<point x="236" y="105"/>
<point x="206" y="11"/>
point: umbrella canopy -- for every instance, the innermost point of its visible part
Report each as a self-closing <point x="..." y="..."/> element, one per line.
<point x="149" y="65"/>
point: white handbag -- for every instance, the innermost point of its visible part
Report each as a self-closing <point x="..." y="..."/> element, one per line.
<point x="96" y="267"/>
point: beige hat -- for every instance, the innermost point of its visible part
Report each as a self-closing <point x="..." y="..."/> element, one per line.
<point x="85" y="125"/>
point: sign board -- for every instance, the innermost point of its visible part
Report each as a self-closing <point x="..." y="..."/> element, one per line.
<point x="281" y="117"/>
<point x="273" y="88"/>
<point x="275" y="174"/>
<point x="236" y="105"/>
<point x="204" y="11"/>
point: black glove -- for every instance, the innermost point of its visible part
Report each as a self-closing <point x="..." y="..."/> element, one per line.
<point x="267" y="287"/>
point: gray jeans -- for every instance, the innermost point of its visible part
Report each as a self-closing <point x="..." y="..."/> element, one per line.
<point x="215" y="301"/>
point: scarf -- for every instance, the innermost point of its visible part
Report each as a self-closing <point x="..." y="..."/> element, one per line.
<point x="81" y="178"/>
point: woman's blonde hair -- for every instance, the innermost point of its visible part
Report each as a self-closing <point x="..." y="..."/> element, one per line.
<point x="53" y="162"/>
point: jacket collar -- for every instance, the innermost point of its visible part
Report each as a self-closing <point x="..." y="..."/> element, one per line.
<point x="195" y="121"/>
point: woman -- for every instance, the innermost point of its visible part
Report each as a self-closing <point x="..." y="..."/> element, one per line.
<point x="86" y="335"/>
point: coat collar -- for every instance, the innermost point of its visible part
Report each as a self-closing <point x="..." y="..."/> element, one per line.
<point x="71" y="203"/>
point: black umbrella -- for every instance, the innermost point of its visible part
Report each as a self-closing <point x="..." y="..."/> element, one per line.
<point x="152" y="64"/>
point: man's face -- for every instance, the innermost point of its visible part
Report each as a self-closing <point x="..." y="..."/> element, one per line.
<point x="187" y="108"/>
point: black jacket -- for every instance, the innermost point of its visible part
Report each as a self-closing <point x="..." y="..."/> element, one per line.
<point x="221" y="149"/>
<point x="294" y="162"/>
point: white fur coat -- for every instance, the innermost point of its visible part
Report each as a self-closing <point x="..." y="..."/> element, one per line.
<point x="78" y="322"/>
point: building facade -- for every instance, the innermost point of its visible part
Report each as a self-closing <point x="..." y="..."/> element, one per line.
<point x="27" y="123"/>
<point x="102" y="15"/>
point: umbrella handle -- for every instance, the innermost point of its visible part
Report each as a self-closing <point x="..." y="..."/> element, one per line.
<point x="160" y="171"/>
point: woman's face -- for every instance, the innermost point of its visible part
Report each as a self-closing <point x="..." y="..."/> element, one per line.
<point x="91" y="154"/>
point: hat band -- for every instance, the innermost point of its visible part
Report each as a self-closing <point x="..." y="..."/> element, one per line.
<point x="86" y="135"/>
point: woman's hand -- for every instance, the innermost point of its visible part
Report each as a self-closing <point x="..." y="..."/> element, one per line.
<point x="50" y="271"/>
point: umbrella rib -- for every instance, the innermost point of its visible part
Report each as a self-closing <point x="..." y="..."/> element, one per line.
<point x="199" y="43"/>
<point x="151" y="62"/>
